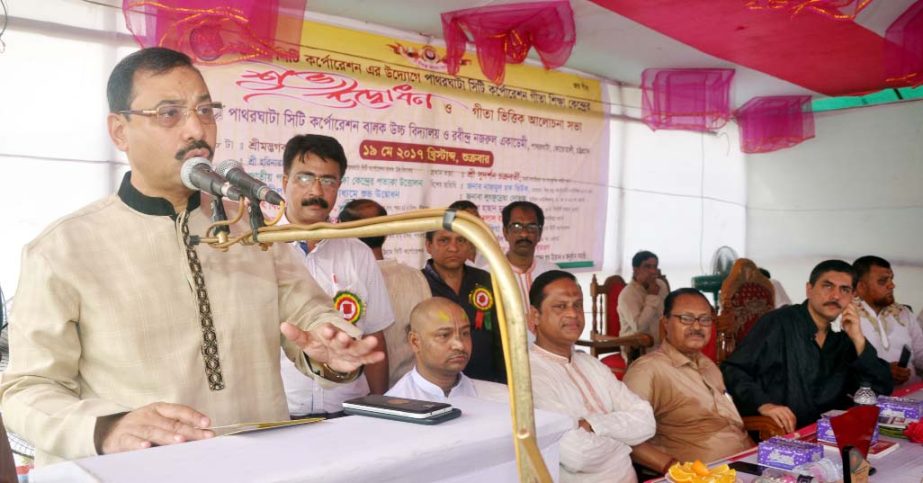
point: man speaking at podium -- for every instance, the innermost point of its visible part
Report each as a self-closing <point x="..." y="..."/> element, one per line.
<point x="125" y="335"/>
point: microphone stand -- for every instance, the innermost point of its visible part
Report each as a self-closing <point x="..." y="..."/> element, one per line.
<point x="218" y="215"/>
<point x="510" y="310"/>
<point x="256" y="217"/>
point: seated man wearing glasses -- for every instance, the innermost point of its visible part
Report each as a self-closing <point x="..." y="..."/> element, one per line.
<point x="609" y="419"/>
<point x="803" y="360"/>
<point x="127" y="335"/>
<point x="696" y="418"/>
<point x="523" y="222"/>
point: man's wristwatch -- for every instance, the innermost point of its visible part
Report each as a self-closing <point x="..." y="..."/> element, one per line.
<point x="332" y="375"/>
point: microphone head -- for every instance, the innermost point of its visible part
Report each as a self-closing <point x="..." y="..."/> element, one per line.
<point x="227" y="165"/>
<point x="189" y="165"/>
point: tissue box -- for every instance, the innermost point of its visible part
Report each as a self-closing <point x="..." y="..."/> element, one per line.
<point x="825" y="431"/>
<point x="900" y="407"/>
<point x="787" y="453"/>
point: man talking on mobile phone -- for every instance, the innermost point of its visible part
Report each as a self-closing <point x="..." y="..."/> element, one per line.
<point x="802" y="360"/>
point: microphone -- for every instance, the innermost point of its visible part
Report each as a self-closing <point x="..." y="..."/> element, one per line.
<point x="197" y="174"/>
<point x="248" y="185"/>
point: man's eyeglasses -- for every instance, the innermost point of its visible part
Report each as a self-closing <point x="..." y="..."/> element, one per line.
<point x="170" y="115"/>
<point x="308" y="179"/>
<point x="686" y="319"/>
<point x="517" y="228"/>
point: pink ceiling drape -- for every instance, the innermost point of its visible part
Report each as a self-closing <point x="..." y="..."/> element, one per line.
<point x="772" y="123"/>
<point x="691" y="99"/>
<point x="504" y="34"/>
<point x="218" y="31"/>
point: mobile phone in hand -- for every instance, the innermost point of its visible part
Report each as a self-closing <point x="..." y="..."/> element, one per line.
<point x="905" y="357"/>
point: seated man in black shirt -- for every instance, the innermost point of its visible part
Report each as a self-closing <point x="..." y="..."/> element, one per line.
<point x="796" y="363"/>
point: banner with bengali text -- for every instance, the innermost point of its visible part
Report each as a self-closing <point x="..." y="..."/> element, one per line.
<point x="416" y="137"/>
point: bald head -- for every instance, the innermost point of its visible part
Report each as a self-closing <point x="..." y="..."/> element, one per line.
<point x="433" y="310"/>
<point x="440" y="336"/>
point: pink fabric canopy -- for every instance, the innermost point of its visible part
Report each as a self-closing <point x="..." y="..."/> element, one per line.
<point x="691" y="99"/>
<point x="772" y="123"/>
<point x="505" y="33"/>
<point x="839" y="9"/>
<point x="904" y="50"/>
<point x="218" y="31"/>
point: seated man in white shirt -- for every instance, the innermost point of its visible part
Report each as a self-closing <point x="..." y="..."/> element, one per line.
<point x="440" y="337"/>
<point x="609" y="418"/>
<point x="887" y="325"/>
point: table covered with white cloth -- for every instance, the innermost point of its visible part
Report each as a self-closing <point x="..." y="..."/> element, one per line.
<point x="478" y="446"/>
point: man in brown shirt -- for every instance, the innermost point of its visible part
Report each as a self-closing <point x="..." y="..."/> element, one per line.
<point x="696" y="419"/>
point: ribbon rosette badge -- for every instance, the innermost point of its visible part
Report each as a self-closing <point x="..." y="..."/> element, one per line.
<point x="483" y="301"/>
<point x="350" y="305"/>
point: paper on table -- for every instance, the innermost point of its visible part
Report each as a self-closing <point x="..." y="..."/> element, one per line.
<point x="238" y="428"/>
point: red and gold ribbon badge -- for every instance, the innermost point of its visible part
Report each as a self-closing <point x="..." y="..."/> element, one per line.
<point x="350" y="305"/>
<point x="483" y="301"/>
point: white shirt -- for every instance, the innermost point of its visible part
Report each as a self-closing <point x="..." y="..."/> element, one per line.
<point x="640" y="311"/>
<point x="414" y="386"/>
<point x="888" y="332"/>
<point x="340" y="265"/>
<point x="584" y="388"/>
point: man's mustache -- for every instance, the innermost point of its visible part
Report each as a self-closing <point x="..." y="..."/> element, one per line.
<point x="835" y="304"/>
<point x="525" y="241"/>
<point x="457" y="354"/>
<point x="198" y="144"/>
<point x="317" y="201"/>
<point x="698" y="332"/>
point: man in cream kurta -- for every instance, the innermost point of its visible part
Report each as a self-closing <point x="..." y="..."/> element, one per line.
<point x="107" y="341"/>
<point x="608" y="417"/>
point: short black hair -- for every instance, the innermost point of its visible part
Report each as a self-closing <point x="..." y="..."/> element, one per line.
<point x="463" y="205"/>
<point x="507" y="212"/>
<point x="157" y="60"/>
<point x="672" y="296"/>
<point x="537" y="292"/>
<point x="641" y="257"/>
<point x="325" y="147"/>
<point x="832" y="266"/>
<point x="863" y="265"/>
<point x="350" y="212"/>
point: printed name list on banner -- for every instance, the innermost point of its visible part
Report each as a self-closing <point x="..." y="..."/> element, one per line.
<point x="416" y="137"/>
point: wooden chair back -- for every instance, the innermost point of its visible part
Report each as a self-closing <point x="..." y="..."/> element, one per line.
<point x="604" y="305"/>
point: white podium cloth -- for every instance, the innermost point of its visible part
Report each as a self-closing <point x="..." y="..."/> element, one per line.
<point x="475" y="447"/>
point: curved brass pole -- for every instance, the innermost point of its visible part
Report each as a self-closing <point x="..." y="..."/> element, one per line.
<point x="510" y="311"/>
